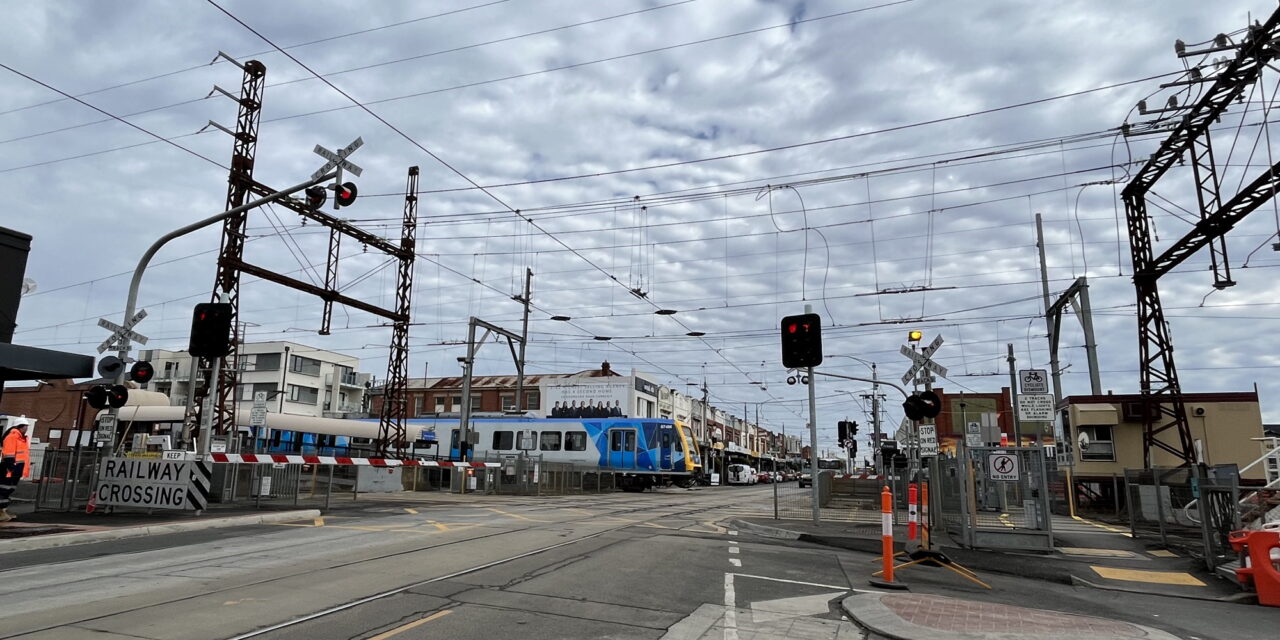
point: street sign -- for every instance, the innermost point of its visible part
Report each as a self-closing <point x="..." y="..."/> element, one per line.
<point x="120" y="335"/>
<point x="106" y="421"/>
<point x="1002" y="466"/>
<point x="257" y="416"/>
<point x="928" y="440"/>
<point x="1035" y="407"/>
<point x="338" y="160"/>
<point x="1033" y="381"/>
<point x="973" y="439"/>
<point x="260" y="399"/>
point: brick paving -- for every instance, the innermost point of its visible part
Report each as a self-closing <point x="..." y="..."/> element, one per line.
<point x="950" y="614"/>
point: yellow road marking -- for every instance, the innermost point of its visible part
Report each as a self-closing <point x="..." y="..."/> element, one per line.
<point x="319" y="521"/>
<point x="1153" y="577"/>
<point x="514" y="515"/>
<point x="715" y="527"/>
<point x="1004" y="520"/>
<point x="1101" y="553"/>
<point x="1103" y="526"/>
<point x="654" y="525"/>
<point x="401" y="629"/>
<point x="442" y="527"/>
<point x="1162" y="553"/>
<point x="413" y="511"/>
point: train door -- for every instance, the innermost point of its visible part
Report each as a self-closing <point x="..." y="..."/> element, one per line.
<point x="666" y="442"/>
<point x="622" y="448"/>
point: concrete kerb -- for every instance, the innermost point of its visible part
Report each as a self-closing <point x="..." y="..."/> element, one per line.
<point x="868" y="612"/>
<point x="87" y="537"/>
<point x="765" y="531"/>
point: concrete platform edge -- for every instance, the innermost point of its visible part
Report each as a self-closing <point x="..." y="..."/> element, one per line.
<point x="87" y="537"/>
<point x="1242" y="597"/>
<point x="765" y="530"/>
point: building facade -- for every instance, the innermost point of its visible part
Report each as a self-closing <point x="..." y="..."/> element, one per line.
<point x="297" y="379"/>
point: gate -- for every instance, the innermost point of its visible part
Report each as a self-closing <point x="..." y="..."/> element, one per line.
<point x="996" y="498"/>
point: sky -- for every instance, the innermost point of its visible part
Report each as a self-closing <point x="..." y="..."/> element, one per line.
<point x="731" y="160"/>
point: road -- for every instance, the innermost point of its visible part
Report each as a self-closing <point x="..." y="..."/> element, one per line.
<point x="664" y="564"/>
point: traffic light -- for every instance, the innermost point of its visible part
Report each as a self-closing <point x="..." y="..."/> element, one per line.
<point x="211" y="330"/>
<point x="801" y="341"/>
<point x="927" y="404"/>
<point x="142" y="372"/>
<point x="345" y="196"/>
<point x="103" y="396"/>
<point x="847" y="429"/>
<point x="914" y="335"/>
<point x="316" y="196"/>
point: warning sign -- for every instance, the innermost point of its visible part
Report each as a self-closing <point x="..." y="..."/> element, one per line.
<point x="1002" y="466"/>
<point x="153" y="484"/>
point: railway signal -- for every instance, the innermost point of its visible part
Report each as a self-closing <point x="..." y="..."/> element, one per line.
<point x="211" y="330"/>
<point x="142" y="372"/>
<point x="103" y="396"/>
<point x="801" y="341"/>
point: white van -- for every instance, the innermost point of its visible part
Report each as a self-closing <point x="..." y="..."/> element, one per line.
<point x="742" y="474"/>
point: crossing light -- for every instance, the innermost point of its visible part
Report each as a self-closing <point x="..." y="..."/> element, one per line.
<point x="103" y="396"/>
<point x="926" y="404"/>
<point x="142" y="372"/>
<point x="915" y="335"/>
<point x="801" y="341"/>
<point x="316" y="196"/>
<point x="345" y="196"/>
<point x="211" y="330"/>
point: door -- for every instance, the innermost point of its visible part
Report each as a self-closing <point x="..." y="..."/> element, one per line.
<point x="622" y="448"/>
<point x="666" y="442"/>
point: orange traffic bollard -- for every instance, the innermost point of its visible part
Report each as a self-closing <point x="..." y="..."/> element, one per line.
<point x="913" y="516"/>
<point x="1004" y="439"/>
<point x="1258" y="569"/>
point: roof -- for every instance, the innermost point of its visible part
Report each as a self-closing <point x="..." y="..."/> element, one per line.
<point x="1247" y="396"/>
<point x="30" y="363"/>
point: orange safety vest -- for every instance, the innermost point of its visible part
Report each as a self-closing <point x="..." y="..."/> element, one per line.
<point x="17" y="446"/>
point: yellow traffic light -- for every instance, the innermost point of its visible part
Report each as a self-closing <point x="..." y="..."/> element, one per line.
<point x="915" y="336"/>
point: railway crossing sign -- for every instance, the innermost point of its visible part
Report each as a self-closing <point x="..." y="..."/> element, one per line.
<point x="921" y="362"/>
<point x="338" y="160"/>
<point x="1033" y="381"/>
<point x="928" y="440"/>
<point x="258" y="414"/>
<point x="1035" y="407"/>
<point x="121" y="335"/>
<point x="1002" y="466"/>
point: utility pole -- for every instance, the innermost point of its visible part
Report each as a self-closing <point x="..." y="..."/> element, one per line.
<point x="1013" y="398"/>
<point x="524" y="337"/>
<point x="1054" y="372"/>
<point x="464" y="422"/>
<point x="813" y="435"/>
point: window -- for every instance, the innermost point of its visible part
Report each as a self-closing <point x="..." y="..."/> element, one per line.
<point x="439" y="404"/>
<point x="575" y="441"/>
<point x="267" y="362"/>
<point x="304" y="395"/>
<point x="305" y="366"/>
<point x="244" y="392"/>
<point x="417" y="406"/>
<point x="532" y="400"/>
<point x="666" y="439"/>
<point x="453" y="439"/>
<point x="550" y="441"/>
<point x="1101" y="447"/>
<point x="455" y="402"/>
<point x="475" y="402"/>
<point x="508" y="402"/>
<point x="504" y="440"/>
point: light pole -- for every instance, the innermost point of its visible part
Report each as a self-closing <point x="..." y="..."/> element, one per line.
<point x="875" y="410"/>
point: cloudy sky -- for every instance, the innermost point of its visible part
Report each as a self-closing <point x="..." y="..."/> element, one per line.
<point x="733" y="160"/>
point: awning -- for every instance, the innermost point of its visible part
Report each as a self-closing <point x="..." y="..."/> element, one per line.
<point x="29" y="363"/>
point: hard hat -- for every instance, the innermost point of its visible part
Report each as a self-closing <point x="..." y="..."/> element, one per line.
<point x="20" y="421"/>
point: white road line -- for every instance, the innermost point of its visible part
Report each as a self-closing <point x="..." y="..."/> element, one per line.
<point x="735" y="562"/>
<point x="733" y="549"/>
<point x="730" y="609"/>
<point x="732" y="532"/>
<point x="810" y="584"/>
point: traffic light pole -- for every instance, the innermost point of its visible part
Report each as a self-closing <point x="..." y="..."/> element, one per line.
<point x="131" y="302"/>
<point x="813" y="449"/>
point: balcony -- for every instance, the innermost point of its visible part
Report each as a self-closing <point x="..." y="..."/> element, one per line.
<point x="348" y="379"/>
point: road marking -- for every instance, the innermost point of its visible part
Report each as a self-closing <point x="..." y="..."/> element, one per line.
<point x="401" y="629"/>
<point x="733" y="533"/>
<point x="319" y="521"/>
<point x="730" y="609"/>
<point x="654" y="525"/>
<point x="1004" y="520"/>
<point x="584" y="511"/>
<point x="1100" y="553"/>
<point x="808" y="584"/>
<point x="442" y="527"/>
<point x="515" y="515"/>
<point x="735" y="562"/>
<point x="413" y="511"/>
<point x="1163" y="553"/>
<point x="733" y="549"/>
<point x="1103" y="526"/>
<point x="1152" y="577"/>
<point x="715" y="527"/>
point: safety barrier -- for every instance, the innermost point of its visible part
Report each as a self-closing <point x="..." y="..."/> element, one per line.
<point x="264" y="458"/>
<point x="1259" y="570"/>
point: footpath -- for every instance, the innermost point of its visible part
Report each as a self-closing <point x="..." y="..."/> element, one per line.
<point x="1088" y="555"/>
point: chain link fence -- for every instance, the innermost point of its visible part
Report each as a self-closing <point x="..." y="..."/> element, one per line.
<point x="1192" y="509"/>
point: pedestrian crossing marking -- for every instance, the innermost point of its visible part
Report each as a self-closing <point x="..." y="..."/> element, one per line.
<point x="1151" y="577"/>
<point x="1163" y="553"/>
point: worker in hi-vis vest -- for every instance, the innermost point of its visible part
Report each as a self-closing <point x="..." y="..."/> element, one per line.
<point x="15" y="461"/>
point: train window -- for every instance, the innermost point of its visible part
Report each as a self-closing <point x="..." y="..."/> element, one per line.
<point x="615" y="441"/>
<point x="630" y="443"/>
<point x="622" y="440"/>
<point x="666" y="439"/>
<point x="504" y="440"/>
<point x="453" y="438"/>
<point x="550" y="441"/>
<point x="575" y="441"/>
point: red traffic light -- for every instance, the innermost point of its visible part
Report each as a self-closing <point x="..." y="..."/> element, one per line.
<point x="316" y="196"/>
<point x="346" y="195"/>
<point x="96" y="397"/>
<point x="142" y="372"/>
<point x="117" y="395"/>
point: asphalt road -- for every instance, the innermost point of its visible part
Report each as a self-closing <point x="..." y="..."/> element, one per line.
<point x="663" y="564"/>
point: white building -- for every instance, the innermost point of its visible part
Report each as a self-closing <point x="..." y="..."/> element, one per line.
<point x="297" y="379"/>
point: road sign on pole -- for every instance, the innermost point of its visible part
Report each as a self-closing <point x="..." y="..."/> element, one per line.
<point x="921" y="362"/>
<point x="1035" y="407"/>
<point x="928" y="440"/>
<point x="1033" y="381"/>
<point x="338" y="160"/>
<point x="121" y="335"/>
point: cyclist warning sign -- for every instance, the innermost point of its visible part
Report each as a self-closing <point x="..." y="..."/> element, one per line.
<point x="1002" y="466"/>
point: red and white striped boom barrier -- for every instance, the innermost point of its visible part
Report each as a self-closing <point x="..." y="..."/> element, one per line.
<point x="273" y="458"/>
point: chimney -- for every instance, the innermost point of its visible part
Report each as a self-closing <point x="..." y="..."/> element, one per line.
<point x="604" y="368"/>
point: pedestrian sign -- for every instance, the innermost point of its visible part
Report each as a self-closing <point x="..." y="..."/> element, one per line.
<point x="1002" y="466"/>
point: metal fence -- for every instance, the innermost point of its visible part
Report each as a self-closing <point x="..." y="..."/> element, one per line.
<point x="1190" y="508"/>
<point x="839" y="499"/>
<point x="994" y="497"/>
<point x="66" y="478"/>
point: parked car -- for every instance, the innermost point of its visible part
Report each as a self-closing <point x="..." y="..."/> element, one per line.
<point x="742" y="474"/>
<point x="764" y="477"/>
<point x="806" y="479"/>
